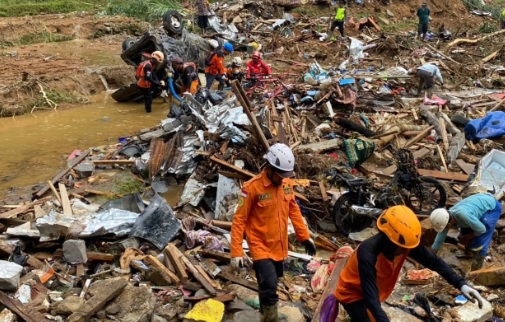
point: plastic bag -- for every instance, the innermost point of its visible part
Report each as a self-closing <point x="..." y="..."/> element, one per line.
<point x="329" y="310"/>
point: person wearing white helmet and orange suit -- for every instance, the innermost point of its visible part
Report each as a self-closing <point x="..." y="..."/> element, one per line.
<point x="234" y="71"/>
<point x="146" y="77"/>
<point x="372" y="271"/>
<point x="476" y="217"/>
<point x="266" y="203"/>
<point x="256" y="67"/>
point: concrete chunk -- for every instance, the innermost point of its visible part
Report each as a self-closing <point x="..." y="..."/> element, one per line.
<point x="70" y="305"/>
<point x="9" y="275"/>
<point x="492" y="276"/>
<point x="7" y="316"/>
<point x="398" y="315"/>
<point x="74" y="251"/>
<point x="470" y="312"/>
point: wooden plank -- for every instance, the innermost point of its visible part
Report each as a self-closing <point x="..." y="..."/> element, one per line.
<point x="173" y="253"/>
<point x="228" y="297"/>
<point x="73" y="163"/>
<point x="221" y="224"/>
<point x="441" y="155"/>
<point x="154" y="261"/>
<point x="98" y="256"/>
<point x="206" y="285"/>
<point x="452" y="176"/>
<point x="206" y="276"/>
<point x="323" y="192"/>
<point x="238" y="280"/>
<point x="466" y="167"/>
<point x="445" y="140"/>
<point x="26" y="312"/>
<point x="220" y="256"/>
<point x="231" y="166"/>
<point x="419" y="136"/>
<point x="319" y="147"/>
<point x="113" y="161"/>
<point x="53" y="189"/>
<point x="65" y="202"/>
<point x="14" y="212"/>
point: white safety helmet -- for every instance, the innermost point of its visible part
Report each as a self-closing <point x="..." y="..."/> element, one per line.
<point x="158" y="55"/>
<point x="439" y="219"/>
<point x="237" y="61"/>
<point x="281" y="158"/>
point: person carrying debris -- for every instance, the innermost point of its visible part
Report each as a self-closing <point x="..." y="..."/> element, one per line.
<point x="234" y="71"/>
<point x="340" y="15"/>
<point x="372" y="271"/>
<point x="256" y="67"/>
<point x="476" y="217"/>
<point x="186" y="73"/>
<point x="423" y="14"/>
<point x="427" y="74"/>
<point x="146" y="77"/>
<point x="215" y="66"/>
<point x="266" y="203"/>
<point x="203" y="11"/>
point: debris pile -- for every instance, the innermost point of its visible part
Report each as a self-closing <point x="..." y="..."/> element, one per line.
<point x="138" y="258"/>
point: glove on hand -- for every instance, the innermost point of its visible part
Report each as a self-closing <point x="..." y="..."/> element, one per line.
<point x="310" y="247"/>
<point x="162" y="83"/>
<point x="472" y="295"/>
<point x="237" y="263"/>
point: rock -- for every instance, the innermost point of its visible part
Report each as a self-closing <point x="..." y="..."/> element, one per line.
<point x="326" y="226"/>
<point x="364" y="234"/>
<point x="85" y="169"/>
<point x="292" y="314"/>
<point x="157" y="318"/>
<point x="103" y="292"/>
<point x="101" y="314"/>
<point x="7" y="316"/>
<point x="9" y="275"/>
<point x="113" y="308"/>
<point x="70" y="305"/>
<point x="247" y="316"/>
<point x="237" y="20"/>
<point x="135" y="304"/>
<point x="201" y="292"/>
<point x="243" y="293"/>
<point x="398" y="315"/>
<point x="389" y="13"/>
<point x="492" y="276"/>
<point x="207" y="311"/>
<point x="74" y="251"/>
<point x="167" y="311"/>
<point x="470" y="312"/>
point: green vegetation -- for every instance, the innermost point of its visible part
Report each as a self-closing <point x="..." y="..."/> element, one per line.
<point x="146" y="10"/>
<point x="43" y="36"/>
<point x="494" y="8"/>
<point x="399" y="26"/>
<point x="16" y="8"/>
<point x="487" y="28"/>
<point x="127" y="185"/>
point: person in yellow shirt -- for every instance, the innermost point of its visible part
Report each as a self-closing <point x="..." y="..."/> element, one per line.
<point x="340" y="15"/>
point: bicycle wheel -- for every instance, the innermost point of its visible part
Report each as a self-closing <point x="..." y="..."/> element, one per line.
<point x="426" y="196"/>
<point x="345" y="221"/>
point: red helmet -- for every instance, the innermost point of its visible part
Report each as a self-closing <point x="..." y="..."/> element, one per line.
<point x="177" y="60"/>
<point x="256" y="54"/>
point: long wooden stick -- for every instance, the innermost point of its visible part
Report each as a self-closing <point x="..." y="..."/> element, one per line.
<point x="419" y="136"/>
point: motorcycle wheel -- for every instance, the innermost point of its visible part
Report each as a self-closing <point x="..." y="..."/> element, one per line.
<point x="344" y="220"/>
<point x="432" y="196"/>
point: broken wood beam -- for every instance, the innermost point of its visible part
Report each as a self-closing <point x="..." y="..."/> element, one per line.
<point x="441" y="155"/>
<point x="156" y="263"/>
<point x="60" y="175"/>
<point x="445" y="140"/>
<point x="473" y="41"/>
<point x="113" y="161"/>
<point x="65" y="202"/>
<point x="24" y="311"/>
<point x="238" y="280"/>
<point x="220" y="256"/>
<point x="451" y="176"/>
<point x="320" y="147"/>
<point x="228" y="297"/>
<point x="457" y="143"/>
<point x="466" y="167"/>
<point x="231" y="166"/>
<point x="98" y="256"/>
<point x="199" y="277"/>
<point x="53" y="189"/>
<point x="175" y="255"/>
<point x="17" y="211"/>
<point x="418" y="137"/>
<point x="497" y="105"/>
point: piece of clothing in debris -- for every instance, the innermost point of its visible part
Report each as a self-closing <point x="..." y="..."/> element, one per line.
<point x="188" y="79"/>
<point x="262" y="215"/>
<point x="267" y="273"/>
<point x="215" y="69"/>
<point x="358" y="150"/>
<point x="488" y="127"/>
<point x="477" y="214"/>
<point x="371" y="273"/>
<point x="257" y="68"/>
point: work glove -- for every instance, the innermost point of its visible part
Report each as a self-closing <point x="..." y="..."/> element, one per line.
<point x="472" y="295"/>
<point x="310" y="247"/>
<point x="164" y="94"/>
<point x="237" y="263"/>
<point x="170" y="75"/>
<point x="162" y="83"/>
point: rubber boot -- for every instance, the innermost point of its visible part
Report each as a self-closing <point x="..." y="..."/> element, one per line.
<point x="478" y="261"/>
<point x="220" y="87"/>
<point x="269" y="313"/>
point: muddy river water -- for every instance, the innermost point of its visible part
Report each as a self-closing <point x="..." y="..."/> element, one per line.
<point x="33" y="148"/>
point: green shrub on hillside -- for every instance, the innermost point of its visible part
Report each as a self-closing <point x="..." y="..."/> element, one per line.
<point x="12" y="8"/>
<point x="147" y="10"/>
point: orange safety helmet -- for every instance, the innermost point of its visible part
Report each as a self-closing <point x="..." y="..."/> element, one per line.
<point x="256" y="54"/>
<point x="401" y="226"/>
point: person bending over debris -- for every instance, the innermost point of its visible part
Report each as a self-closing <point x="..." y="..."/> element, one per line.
<point x="340" y="15"/>
<point x="187" y="74"/>
<point x="476" y="217"/>
<point x="234" y="71"/>
<point x="427" y="74"/>
<point x="256" y="67"/>
<point x="145" y="77"/>
<point x="215" y="66"/>
<point x="370" y="275"/>
<point x="423" y="14"/>
<point x="265" y="204"/>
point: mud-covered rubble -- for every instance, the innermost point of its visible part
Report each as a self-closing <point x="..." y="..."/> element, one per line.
<point x="138" y="258"/>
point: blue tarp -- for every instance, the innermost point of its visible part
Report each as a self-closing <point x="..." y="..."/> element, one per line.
<point x="490" y="126"/>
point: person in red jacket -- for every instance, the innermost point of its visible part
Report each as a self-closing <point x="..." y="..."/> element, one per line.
<point x="146" y="77"/>
<point x="257" y="67"/>
<point x="265" y="205"/>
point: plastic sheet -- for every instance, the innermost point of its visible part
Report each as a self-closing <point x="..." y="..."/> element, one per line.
<point x="193" y="192"/>
<point x="227" y="31"/>
<point x="225" y="187"/>
<point x="157" y="224"/>
<point x="131" y="203"/>
<point x="490" y="126"/>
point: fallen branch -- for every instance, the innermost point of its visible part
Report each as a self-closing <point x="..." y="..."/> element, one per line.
<point x="49" y="102"/>
<point x="473" y="41"/>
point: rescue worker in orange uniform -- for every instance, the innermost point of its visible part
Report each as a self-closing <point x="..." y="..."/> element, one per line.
<point x="234" y="71"/>
<point x="266" y="202"/>
<point x="215" y="66"/>
<point x="187" y="74"/>
<point x="146" y="77"/>
<point x="370" y="275"/>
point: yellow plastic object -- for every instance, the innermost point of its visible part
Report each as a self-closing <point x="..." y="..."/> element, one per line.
<point x="208" y="311"/>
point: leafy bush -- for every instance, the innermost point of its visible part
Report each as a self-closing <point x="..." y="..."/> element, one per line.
<point x="147" y="10"/>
